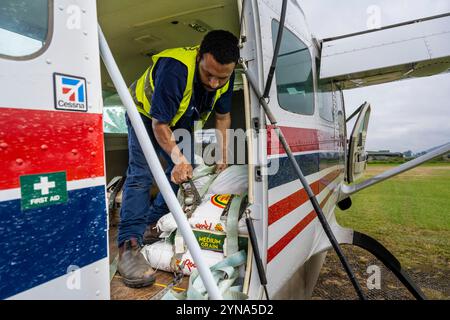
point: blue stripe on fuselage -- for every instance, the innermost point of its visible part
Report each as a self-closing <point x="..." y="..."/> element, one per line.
<point x="309" y="164"/>
<point x="39" y="245"/>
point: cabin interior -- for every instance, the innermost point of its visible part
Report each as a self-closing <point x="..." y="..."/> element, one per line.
<point x="135" y="30"/>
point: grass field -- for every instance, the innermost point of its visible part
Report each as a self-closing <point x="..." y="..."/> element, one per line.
<point x="409" y="214"/>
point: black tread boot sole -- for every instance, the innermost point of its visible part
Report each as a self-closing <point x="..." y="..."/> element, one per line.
<point x="134" y="269"/>
<point x="139" y="283"/>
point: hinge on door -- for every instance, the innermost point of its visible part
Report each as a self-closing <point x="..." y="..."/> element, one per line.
<point x="258" y="174"/>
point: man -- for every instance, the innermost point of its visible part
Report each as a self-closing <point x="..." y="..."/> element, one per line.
<point x="183" y="86"/>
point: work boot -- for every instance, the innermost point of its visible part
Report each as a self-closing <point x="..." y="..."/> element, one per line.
<point x="151" y="234"/>
<point x="134" y="269"/>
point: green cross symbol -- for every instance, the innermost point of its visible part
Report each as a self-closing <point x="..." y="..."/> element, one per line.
<point x="42" y="190"/>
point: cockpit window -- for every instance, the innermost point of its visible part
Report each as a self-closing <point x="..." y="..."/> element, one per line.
<point x="24" y="27"/>
<point x="294" y="74"/>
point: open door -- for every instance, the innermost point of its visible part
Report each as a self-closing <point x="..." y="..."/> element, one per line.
<point x="53" y="214"/>
<point x="357" y="156"/>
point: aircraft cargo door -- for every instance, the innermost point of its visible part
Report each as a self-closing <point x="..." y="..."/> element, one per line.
<point x="53" y="218"/>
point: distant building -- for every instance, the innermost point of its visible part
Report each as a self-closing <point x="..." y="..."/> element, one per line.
<point x="445" y="157"/>
<point x="408" y="154"/>
<point x="384" y="155"/>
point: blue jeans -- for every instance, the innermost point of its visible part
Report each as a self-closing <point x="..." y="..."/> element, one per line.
<point x="137" y="209"/>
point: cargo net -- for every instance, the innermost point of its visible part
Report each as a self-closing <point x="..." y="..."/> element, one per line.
<point x="334" y="284"/>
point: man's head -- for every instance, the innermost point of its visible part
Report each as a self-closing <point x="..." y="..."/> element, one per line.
<point x="217" y="58"/>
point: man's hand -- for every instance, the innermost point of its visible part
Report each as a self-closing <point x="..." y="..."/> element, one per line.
<point x="181" y="173"/>
<point x="220" y="167"/>
<point x="223" y="122"/>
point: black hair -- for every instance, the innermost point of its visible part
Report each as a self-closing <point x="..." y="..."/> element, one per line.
<point x="223" y="45"/>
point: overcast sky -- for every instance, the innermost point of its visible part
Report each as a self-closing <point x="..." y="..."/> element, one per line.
<point x="406" y="115"/>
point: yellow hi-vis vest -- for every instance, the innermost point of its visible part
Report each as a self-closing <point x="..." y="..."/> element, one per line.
<point x="142" y="89"/>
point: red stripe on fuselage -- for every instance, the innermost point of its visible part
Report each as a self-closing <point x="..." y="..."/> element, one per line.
<point x="300" y="140"/>
<point x="285" y="206"/>
<point x="329" y="178"/>
<point x="36" y="141"/>
<point x="294" y="232"/>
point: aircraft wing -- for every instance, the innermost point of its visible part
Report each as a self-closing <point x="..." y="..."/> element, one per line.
<point x="412" y="49"/>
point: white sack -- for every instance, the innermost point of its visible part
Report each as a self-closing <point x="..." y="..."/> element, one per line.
<point x="233" y="180"/>
<point x="207" y="216"/>
<point x="159" y="255"/>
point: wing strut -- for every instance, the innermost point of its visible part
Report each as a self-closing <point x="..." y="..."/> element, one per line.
<point x="273" y="121"/>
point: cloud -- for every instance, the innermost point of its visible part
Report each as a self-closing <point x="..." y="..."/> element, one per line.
<point x="329" y="18"/>
<point x="406" y="115"/>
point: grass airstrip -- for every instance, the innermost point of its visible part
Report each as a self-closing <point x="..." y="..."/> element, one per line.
<point x="409" y="214"/>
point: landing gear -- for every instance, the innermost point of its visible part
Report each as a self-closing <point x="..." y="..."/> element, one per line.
<point x="345" y="204"/>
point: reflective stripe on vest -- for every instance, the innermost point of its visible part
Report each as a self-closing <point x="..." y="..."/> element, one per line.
<point x="142" y="89"/>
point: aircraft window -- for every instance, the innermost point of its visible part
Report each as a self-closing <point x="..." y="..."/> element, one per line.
<point x="23" y="27"/>
<point x="294" y="75"/>
<point x="113" y="114"/>
<point x="325" y="105"/>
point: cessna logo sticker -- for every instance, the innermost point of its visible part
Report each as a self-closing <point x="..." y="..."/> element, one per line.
<point x="70" y="93"/>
